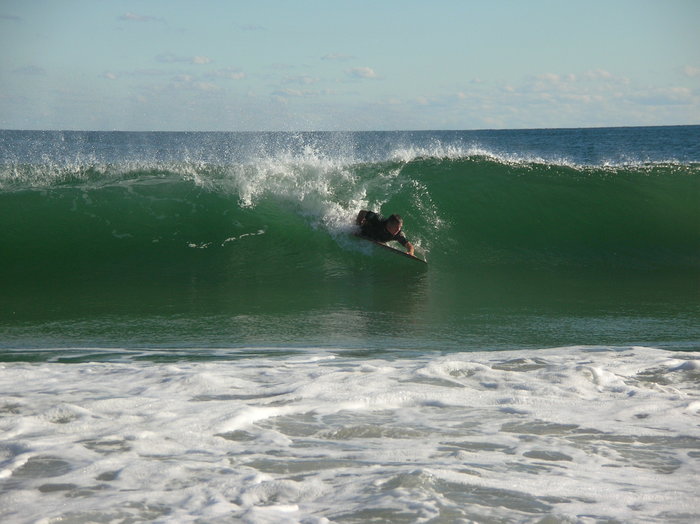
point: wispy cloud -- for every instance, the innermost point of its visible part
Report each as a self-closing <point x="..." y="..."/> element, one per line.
<point x="229" y="73"/>
<point x="132" y="17"/>
<point x="598" y="74"/>
<point x="189" y="82"/>
<point x="666" y="96"/>
<point x="30" y="70"/>
<point x="178" y="84"/>
<point x="302" y="79"/>
<point x="292" y="92"/>
<point x="691" y="71"/>
<point x="225" y="73"/>
<point x="12" y="18"/>
<point x="113" y="75"/>
<point x="206" y="86"/>
<point x="557" y="84"/>
<point x="169" y="58"/>
<point x="337" y="56"/>
<point x="301" y="93"/>
<point x="589" y="98"/>
<point x="362" y="72"/>
<point x="251" y="27"/>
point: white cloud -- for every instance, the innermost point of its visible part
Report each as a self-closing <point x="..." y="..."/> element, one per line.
<point x="362" y="72"/>
<point x="598" y="74"/>
<point x="206" y="86"/>
<point x="584" y="98"/>
<point x="691" y="71"/>
<point x="169" y="58"/>
<point x="593" y="75"/>
<point x="551" y="78"/>
<point x="114" y="75"/>
<point x="287" y="92"/>
<point x="337" y="56"/>
<point x="582" y="85"/>
<point x="191" y="82"/>
<point x="302" y="79"/>
<point x="294" y="93"/>
<point x="666" y="96"/>
<point x="603" y="76"/>
<point x="229" y="73"/>
<point x="283" y="95"/>
<point x="150" y="72"/>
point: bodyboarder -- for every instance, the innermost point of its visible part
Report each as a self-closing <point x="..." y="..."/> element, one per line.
<point x="379" y="229"/>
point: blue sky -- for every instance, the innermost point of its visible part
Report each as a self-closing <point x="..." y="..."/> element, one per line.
<point x="347" y="65"/>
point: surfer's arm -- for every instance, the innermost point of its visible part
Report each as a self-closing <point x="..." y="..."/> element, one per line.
<point x="401" y="239"/>
<point x="409" y="248"/>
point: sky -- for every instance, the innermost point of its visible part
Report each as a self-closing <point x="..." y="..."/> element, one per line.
<point x="303" y="65"/>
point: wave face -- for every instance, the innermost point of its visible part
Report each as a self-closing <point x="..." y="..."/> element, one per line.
<point x="460" y="205"/>
<point x="465" y="211"/>
<point x="268" y="218"/>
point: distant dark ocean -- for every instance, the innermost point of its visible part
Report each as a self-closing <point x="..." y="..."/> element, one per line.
<point x="190" y="331"/>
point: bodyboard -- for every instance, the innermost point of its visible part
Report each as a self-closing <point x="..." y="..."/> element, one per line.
<point x="397" y="251"/>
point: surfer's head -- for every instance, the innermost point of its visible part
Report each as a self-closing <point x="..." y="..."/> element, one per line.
<point x="394" y="224"/>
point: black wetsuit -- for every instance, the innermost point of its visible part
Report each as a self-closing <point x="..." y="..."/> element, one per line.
<point x="375" y="229"/>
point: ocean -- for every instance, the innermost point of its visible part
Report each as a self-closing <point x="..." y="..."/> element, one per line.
<point x="191" y="332"/>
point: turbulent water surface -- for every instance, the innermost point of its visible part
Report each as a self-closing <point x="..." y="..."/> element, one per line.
<point x="190" y="331"/>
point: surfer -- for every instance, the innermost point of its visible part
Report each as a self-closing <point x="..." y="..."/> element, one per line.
<point x="375" y="227"/>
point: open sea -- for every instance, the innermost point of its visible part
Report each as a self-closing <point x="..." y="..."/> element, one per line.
<point x="190" y="331"/>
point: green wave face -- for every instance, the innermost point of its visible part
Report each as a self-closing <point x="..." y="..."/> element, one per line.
<point x="263" y="251"/>
<point x="473" y="211"/>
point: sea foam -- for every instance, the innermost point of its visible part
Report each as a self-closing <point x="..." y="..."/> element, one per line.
<point x="567" y="434"/>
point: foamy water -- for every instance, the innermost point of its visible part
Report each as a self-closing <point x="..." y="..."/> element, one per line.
<point x="575" y="434"/>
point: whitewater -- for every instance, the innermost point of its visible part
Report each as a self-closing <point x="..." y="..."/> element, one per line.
<point x="190" y="332"/>
<point x="578" y="434"/>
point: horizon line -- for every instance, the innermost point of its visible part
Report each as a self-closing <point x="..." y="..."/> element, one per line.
<point x="566" y="128"/>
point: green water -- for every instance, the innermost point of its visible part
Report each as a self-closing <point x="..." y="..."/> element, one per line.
<point x="520" y="254"/>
